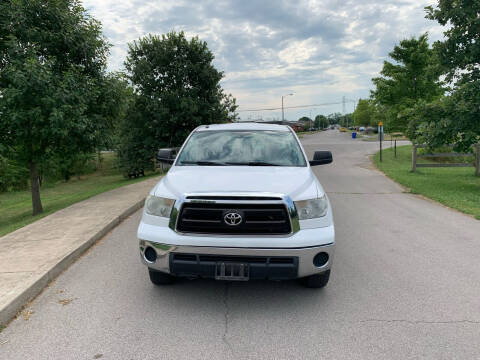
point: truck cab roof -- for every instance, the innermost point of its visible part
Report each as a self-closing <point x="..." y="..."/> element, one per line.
<point x="239" y="126"/>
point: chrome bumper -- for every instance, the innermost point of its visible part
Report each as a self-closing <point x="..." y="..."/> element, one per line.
<point x="305" y="255"/>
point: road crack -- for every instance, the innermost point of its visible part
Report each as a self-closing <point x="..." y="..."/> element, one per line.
<point x="416" y="322"/>
<point x="226" y="318"/>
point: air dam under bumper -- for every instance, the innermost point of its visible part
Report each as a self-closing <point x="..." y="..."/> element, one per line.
<point x="265" y="263"/>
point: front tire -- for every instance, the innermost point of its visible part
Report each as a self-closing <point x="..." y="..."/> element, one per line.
<point x="160" y="278"/>
<point x="317" y="281"/>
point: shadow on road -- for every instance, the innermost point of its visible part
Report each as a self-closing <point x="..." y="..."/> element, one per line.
<point x="252" y="297"/>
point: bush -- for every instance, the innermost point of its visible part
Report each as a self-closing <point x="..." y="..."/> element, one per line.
<point x="446" y="160"/>
<point x="12" y="175"/>
<point x="61" y="168"/>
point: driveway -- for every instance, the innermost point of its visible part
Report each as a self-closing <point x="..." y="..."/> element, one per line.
<point x="405" y="285"/>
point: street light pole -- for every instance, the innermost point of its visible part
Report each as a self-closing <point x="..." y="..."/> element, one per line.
<point x="283" y="116"/>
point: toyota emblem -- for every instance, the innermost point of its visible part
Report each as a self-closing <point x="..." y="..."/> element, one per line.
<point x="233" y="218"/>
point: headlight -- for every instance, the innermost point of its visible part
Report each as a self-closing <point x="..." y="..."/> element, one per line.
<point x="311" y="209"/>
<point x="158" y="206"/>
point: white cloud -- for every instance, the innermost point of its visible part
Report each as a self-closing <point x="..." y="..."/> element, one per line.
<point x="321" y="49"/>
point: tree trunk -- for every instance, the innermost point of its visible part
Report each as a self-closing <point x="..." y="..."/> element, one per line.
<point x="35" y="186"/>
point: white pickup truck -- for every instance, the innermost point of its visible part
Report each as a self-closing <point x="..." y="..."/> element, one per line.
<point x="239" y="202"/>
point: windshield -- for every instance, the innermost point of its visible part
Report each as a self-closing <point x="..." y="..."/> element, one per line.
<point x="243" y="148"/>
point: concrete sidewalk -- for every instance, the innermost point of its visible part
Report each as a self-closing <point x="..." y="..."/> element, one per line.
<point x="34" y="255"/>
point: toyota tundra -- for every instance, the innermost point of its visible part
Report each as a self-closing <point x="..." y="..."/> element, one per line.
<point x="239" y="202"/>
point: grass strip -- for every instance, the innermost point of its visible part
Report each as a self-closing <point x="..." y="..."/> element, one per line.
<point x="457" y="188"/>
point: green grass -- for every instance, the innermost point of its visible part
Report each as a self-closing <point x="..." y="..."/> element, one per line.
<point x="16" y="207"/>
<point x="457" y="188"/>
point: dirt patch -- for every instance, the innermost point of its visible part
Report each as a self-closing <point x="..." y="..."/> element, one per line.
<point x="27" y="314"/>
<point x="65" y="301"/>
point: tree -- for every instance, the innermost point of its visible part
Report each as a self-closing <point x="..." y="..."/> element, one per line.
<point x="459" y="56"/>
<point x="177" y="88"/>
<point x="52" y="64"/>
<point x="334" y="118"/>
<point x="414" y="76"/>
<point x="451" y="119"/>
<point x="364" y="114"/>
<point x="459" y="53"/>
<point x="346" y="120"/>
<point x="423" y="120"/>
<point x="114" y="94"/>
<point x="321" y="122"/>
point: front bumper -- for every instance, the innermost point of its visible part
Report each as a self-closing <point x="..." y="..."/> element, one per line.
<point x="303" y="258"/>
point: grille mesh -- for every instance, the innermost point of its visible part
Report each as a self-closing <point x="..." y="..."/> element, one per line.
<point x="208" y="218"/>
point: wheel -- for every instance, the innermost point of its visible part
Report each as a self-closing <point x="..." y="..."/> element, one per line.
<point x="317" y="280"/>
<point x="160" y="278"/>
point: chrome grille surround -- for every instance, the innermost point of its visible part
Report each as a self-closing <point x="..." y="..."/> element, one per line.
<point x="248" y="198"/>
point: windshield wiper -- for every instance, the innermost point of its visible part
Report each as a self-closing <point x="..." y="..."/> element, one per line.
<point x="253" y="163"/>
<point x="228" y="163"/>
<point x="205" y="163"/>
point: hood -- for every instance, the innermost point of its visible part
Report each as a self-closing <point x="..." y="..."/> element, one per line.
<point x="297" y="182"/>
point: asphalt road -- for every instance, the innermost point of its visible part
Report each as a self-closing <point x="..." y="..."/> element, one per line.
<point x="405" y="285"/>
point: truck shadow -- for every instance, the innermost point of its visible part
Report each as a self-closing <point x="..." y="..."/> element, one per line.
<point x="269" y="298"/>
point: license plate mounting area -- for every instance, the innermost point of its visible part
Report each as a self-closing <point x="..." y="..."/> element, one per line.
<point x="232" y="271"/>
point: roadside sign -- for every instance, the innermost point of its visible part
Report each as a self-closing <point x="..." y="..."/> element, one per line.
<point x="380" y="131"/>
<point x="380" y="137"/>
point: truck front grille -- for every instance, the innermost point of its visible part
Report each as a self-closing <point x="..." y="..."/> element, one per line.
<point x="260" y="267"/>
<point x="209" y="218"/>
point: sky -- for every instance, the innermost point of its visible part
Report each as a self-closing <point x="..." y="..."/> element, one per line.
<point x="321" y="51"/>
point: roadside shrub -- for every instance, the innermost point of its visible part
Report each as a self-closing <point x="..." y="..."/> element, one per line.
<point x="12" y="175"/>
<point x="64" y="168"/>
<point x="446" y="160"/>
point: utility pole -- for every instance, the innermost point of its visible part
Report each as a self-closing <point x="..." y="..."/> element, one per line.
<point x="354" y="105"/>
<point x="283" y="116"/>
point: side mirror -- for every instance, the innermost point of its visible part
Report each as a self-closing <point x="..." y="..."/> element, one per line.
<point x="166" y="156"/>
<point x="321" y="158"/>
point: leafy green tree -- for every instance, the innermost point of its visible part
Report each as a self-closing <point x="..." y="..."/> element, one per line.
<point x="423" y="120"/>
<point x="334" y="118"/>
<point x="136" y="140"/>
<point x="459" y="56"/>
<point x="177" y="88"/>
<point x="111" y="106"/>
<point x="52" y="65"/>
<point x="459" y="53"/>
<point x="321" y="122"/>
<point x="305" y="119"/>
<point x="364" y="114"/>
<point x="413" y="76"/>
<point x="346" y="120"/>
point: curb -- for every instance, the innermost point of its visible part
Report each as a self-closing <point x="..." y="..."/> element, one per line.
<point x="10" y="311"/>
